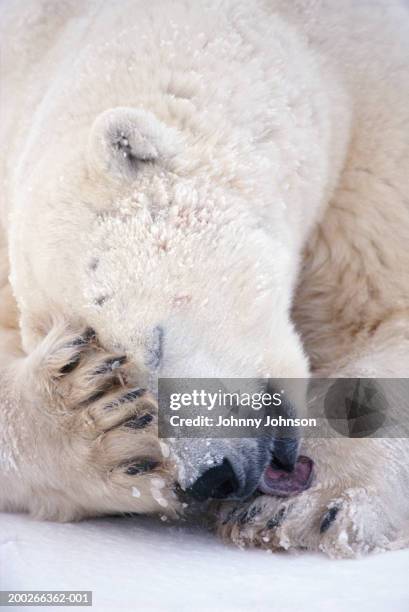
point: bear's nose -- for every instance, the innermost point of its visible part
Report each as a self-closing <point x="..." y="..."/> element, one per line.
<point x="218" y="482"/>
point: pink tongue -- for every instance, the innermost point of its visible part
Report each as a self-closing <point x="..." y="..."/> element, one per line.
<point x="275" y="481"/>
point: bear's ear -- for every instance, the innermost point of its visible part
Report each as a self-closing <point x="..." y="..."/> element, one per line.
<point x="122" y="139"/>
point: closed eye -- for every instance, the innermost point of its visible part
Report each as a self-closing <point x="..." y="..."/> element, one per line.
<point x="155" y="348"/>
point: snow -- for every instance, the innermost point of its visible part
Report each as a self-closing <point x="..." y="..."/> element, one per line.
<point x="137" y="563"/>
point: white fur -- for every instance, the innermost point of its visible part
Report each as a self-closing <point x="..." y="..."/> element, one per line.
<point x="265" y="167"/>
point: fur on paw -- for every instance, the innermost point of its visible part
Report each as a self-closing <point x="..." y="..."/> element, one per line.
<point x="101" y="428"/>
<point x="347" y="525"/>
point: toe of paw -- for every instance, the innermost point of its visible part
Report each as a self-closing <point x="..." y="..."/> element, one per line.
<point x="132" y="411"/>
<point x="329" y="518"/>
<point x="118" y="445"/>
<point x="61" y="351"/>
<point x="276" y="520"/>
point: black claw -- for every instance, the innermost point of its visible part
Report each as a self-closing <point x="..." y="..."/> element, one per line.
<point x="80" y="341"/>
<point x="141" y="467"/>
<point x="139" y="422"/>
<point x="329" y="518"/>
<point x="86" y="337"/>
<point x="71" y="365"/>
<point x="95" y="397"/>
<point x="230" y="516"/>
<point x="248" y="516"/>
<point x="132" y="395"/>
<point x="276" y="521"/>
<point x="111" y="364"/>
<point x="128" y="397"/>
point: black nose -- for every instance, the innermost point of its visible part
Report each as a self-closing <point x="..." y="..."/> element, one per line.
<point x="285" y="453"/>
<point x="218" y="482"/>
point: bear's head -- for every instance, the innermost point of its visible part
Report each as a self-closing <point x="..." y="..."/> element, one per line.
<point x="181" y="254"/>
<point x="165" y="244"/>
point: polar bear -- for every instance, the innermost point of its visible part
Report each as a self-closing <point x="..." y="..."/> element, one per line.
<point x="200" y="189"/>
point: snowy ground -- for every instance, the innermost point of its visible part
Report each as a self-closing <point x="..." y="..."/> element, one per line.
<point x="138" y="564"/>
